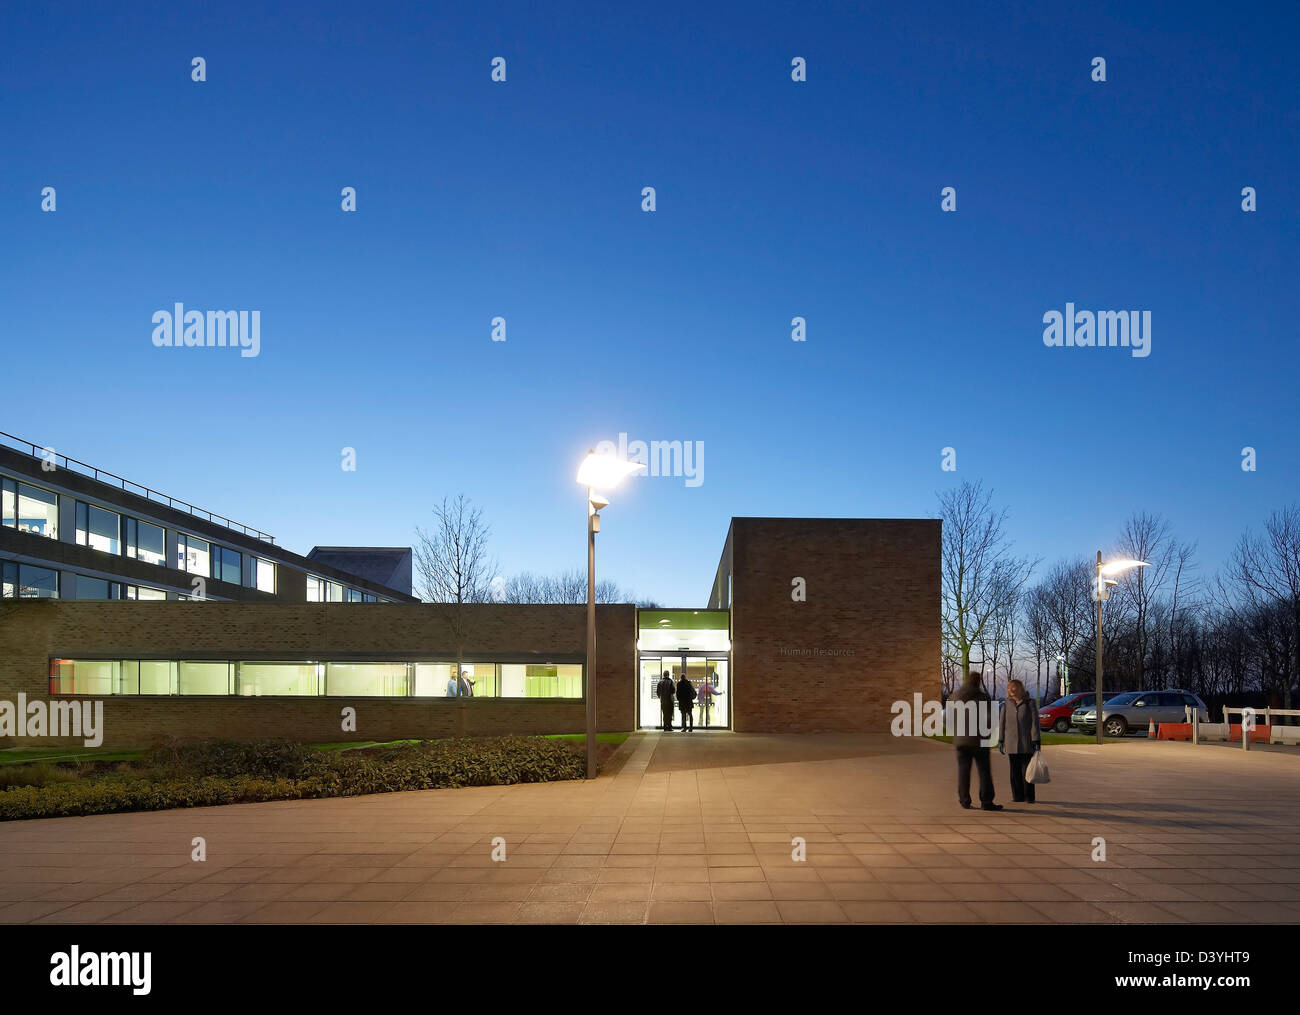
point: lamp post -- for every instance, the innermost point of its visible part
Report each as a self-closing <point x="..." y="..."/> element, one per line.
<point x="1062" y="681"/>
<point x="596" y="472"/>
<point x="1101" y="593"/>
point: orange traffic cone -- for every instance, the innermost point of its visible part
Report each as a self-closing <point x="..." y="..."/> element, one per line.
<point x="1151" y="729"/>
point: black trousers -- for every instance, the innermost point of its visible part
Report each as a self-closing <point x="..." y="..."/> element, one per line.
<point x="688" y="715"/>
<point x="666" y="711"/>
<point x="1021" y="791"/>
<point x="979" y="755"/>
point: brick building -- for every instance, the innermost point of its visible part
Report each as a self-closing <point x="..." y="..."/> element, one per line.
<point x="811" y="625"/>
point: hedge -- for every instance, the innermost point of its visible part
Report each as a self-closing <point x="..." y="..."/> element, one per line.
<point x="207" y="773"/>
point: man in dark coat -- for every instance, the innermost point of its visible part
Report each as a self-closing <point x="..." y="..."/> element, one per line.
<point x="968" y="744"/>
<point x="686" y="703"/>
<point x="665" y="694"/>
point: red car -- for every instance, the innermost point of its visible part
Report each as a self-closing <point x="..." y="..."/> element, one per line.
<point x="1056" y="716"/>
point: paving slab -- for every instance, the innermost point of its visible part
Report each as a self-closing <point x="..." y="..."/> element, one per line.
<point x="715" y="827"/>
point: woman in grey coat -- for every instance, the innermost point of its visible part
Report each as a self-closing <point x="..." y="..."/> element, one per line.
<point x="1019" y="736"/>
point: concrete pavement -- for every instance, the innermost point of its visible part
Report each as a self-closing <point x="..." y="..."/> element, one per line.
<point x="698" y="828"/>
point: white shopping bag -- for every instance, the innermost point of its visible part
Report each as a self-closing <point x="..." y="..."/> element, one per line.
<point x="1036" y="770"/>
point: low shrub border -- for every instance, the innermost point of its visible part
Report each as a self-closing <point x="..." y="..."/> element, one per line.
<point x="209" y="773"/>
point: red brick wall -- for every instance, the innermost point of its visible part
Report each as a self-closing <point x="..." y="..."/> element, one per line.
<point x="33" y="631"/>
<point x="868" y="634"/>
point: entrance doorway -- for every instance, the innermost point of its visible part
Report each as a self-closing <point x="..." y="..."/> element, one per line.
<point x="698" y="667"/>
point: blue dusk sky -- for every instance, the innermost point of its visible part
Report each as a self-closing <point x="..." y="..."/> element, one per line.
<point x="775" y="199"/>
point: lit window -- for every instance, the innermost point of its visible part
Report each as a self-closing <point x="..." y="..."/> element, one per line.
<point x="99" y="528"/>
<point x="142" y="592"/>
<point x="38" y="511"/>
<point x="279" y="678"/>
<point x="8" y="502"/>
<point x="204" y="678"/>
<point x="146" y="542"/>
<point x="192" y="555"/>
<point x="368" y="679"/>
<point x="264" y="574"/>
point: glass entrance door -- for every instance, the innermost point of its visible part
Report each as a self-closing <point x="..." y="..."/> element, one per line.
<point x="652" y="670"/>
<point x="711" y="710"/>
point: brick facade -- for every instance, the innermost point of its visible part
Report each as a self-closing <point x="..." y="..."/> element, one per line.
<point x="34" y="631"/>
<point x="867" y="635"/>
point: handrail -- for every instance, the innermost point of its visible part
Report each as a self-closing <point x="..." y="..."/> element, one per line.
<point x="129" y="486"/>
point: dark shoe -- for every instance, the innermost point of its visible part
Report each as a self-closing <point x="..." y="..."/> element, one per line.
<point x="965" y="803"/>
<point x="1017" y="800"/>
<point x="990" y="807"/>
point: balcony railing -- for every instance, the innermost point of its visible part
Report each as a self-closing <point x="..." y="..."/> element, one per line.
<point x="72" y="465"/>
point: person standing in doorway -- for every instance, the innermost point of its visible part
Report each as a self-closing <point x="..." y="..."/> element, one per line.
<point x="686" y="702"/>
<point x="665" y="694"/>
<point x="707" y="690"/>
<point x="968" y="744"/>
<point x="1019" y="736"/>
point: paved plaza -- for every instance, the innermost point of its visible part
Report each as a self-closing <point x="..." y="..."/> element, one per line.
<point x="698" y="828"/>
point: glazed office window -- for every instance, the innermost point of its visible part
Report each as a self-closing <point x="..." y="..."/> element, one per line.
<point x="227" y="565"/>
<point x="431" y="679"/>
<point x="8" y="502"/>
<point x="435" y="680"/>
<point x="203" y="678"/>
<point x="93" y="676"/>
<point x="97" y="588"/>
<point x="541" y="681"/>
<point x="380" y="680"/>
<point x="142" y="592"/>
<point x="38" y="511"/>
<point x="315" y="589"/>
<point x="158" y="676"/>
<point x="263" y="574"/>
<point x="334" y="592"/>
<point x="192" y="555"/>
<point x="25" y="581"/>
<point x="300" y="679"/>
<point x="99" y="528"/>
<point x="352" y="595"/>
<point x="145" y="541"/>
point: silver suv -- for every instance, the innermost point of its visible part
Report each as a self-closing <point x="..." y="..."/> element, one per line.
<point x="1134" y="710"/>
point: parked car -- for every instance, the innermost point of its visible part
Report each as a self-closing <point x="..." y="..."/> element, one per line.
<point x="1056" y="716"/>
<point x="1134" y="710"/>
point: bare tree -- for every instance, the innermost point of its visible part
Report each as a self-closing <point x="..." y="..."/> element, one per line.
<point x="1266" y="569"/>
<point x="564" y="587"/>
<point x="1150" y="538"/>
<point x="1065" y="598"/>
<point x="452" y="566"/>
<point x="1038" y="620"/>
<point x="979" y="574"/>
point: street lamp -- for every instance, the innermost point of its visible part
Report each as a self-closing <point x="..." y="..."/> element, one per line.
<point x="1105" y="579"/>
<point x="597" y="472"/>
<point x="1063" y="681"/>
